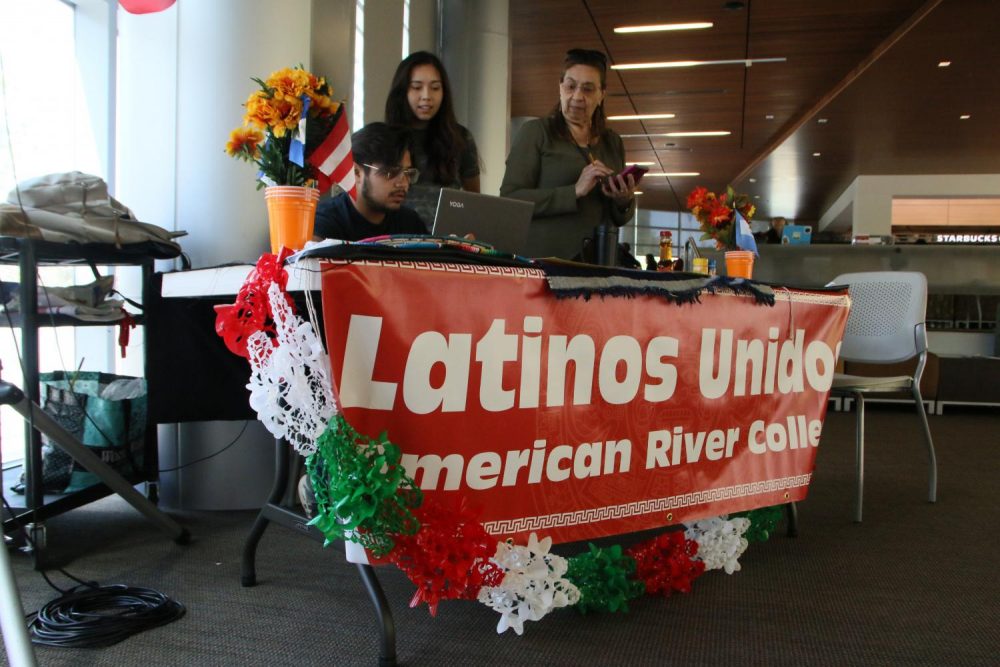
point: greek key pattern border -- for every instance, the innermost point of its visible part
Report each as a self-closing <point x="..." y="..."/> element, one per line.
<point x="836" y="300"/>
<point x="649" y="506"/>
<point x="780" y="295"/>
<point x="481" y="269"/>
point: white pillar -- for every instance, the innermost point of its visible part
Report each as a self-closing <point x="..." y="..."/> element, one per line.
<point x="476" y="52"/>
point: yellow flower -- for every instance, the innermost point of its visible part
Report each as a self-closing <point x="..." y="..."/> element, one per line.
<point x="272" y="113"/>
<point x="244" y="143"/>
<point x="261" y="111"/>
<point x="289" y="84"/>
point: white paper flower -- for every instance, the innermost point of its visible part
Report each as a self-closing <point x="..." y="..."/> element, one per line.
<point x="533" y="584"/>
<point x="720" y="541"/>
<point x="290" y="383"/>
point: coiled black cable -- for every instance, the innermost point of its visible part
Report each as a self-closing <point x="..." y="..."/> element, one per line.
<point x="93" y="617"/>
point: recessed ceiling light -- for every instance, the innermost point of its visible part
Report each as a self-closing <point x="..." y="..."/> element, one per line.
<point x="674" y="174"/>
<point x="640" y="164"/>
<point x="816" y="154"/>
<point x="823" y="121"/>
<point x="965" y="116"/>
<point x="753" y="180"/>
<point x="747" y="62"/>
<point x="769" y="116"/>
<point x="708" y="133"/>
<point x="944" y="63"/>
<point x="662" y="27"/>
<point x="643" y="116"/>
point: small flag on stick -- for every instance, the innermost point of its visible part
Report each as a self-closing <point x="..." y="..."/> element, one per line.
<point x="744" y="235"/>
<point x="333" y="158"/>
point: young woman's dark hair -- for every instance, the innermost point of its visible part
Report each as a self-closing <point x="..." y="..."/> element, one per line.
<point x="598" y="122"/>
<point x="445" y="142"/>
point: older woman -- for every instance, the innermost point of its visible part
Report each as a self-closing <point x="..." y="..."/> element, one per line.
<point x="569" y="164"/>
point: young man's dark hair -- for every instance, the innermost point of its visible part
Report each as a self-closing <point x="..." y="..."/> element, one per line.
<point x="380" y="144"/>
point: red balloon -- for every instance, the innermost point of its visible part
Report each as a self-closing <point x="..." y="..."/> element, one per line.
<point x="145" y="6"/>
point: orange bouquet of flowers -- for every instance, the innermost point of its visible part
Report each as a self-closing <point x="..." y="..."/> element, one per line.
<point x="716" y="214"/>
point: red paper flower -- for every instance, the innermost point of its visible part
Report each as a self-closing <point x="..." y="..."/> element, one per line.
<point x="251" y="312"/>
<point x="449" y="558"/>
<point x="665" y="563"/>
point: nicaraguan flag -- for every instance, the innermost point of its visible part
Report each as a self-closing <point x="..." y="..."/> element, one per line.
<point x="744" y="237"/>
<point x="297" y="149"/>
<point x="333" y="158"/>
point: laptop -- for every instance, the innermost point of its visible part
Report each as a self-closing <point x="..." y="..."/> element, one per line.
<point x="501" y="222"/>
<point x="796" y="235"/>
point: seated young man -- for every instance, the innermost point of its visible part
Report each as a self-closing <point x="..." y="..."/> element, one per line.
<point x="383" y="172"/>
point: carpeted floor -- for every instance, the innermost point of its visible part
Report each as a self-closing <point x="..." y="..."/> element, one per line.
<point x="915" y="584"/>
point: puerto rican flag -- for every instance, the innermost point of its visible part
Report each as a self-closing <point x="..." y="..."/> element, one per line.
<point x="333" y="159"/>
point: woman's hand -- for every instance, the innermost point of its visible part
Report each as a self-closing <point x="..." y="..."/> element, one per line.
<point x="592" y="174"/>
<point x="621" y="189"/>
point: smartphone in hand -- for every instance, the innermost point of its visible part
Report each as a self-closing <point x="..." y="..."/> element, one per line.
<point x="635" y="170"/>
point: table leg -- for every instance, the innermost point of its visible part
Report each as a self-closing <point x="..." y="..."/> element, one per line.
<point x="793" y="520"/>
<point x="387" y="626"/>
<point x="248" y="565"/>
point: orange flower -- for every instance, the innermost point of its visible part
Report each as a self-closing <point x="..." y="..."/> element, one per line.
<point x="696" y="197"/>
<point x="720" y="215"/>
<point x="271" y="119"/>
<point x="244" y="143"/>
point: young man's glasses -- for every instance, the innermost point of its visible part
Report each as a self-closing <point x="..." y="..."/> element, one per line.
<point x="392" y="173"/>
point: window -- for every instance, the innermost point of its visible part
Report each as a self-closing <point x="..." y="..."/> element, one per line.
<point x="46" y="127"/>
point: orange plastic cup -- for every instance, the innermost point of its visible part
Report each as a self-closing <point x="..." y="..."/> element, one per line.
<point x="739" y="264"/>
<point x="291" y="212"/>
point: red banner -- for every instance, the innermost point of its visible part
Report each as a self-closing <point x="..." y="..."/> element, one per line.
<point x="578" y="418"/>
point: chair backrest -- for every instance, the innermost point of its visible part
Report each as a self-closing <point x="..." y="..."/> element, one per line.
<point x="888" y="309"/>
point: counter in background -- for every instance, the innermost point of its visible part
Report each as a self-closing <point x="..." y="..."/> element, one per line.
<point x="970" y="270"/>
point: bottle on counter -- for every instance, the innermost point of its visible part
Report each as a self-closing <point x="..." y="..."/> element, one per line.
<point x="666" y="262"/>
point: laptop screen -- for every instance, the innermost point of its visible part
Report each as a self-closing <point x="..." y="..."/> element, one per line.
<point x="501" y="222"/>
<point x="796" y="235"/>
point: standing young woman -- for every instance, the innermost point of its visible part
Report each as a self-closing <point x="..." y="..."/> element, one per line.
<point x="568" y="164"/>
<point x="443" y="151"/>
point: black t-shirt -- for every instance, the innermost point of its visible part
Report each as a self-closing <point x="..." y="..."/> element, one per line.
<point x="336" y="218"/>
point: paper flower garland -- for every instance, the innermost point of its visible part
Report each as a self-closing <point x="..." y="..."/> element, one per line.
<point x="533" y="584"/>
<point x="362" y="491"/>
<point x="720" y="541"/>
<point x="763" y="521"/>
<point x="364" y="495"/>
<point x="251" y="312"/>
<point x="604" y="577"/>
<point x="666" y="563"/>
<point x="449" y="557"/>
<point x="289" y="381"/>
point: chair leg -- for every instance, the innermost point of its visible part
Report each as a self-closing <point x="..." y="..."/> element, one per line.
<point x="859" y="456"/>
<point x="932" y="481"/>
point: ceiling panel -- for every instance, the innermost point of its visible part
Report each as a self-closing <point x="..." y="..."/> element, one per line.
<point x="897" y="116"/>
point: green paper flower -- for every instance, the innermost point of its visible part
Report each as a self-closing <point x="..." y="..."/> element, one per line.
<point x="362" y="491"/>
<point x="763" y="522"/>
<point x="604" y="577"/>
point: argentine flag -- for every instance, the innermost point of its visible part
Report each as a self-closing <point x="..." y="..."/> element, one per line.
<point x="744" y="237"/>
